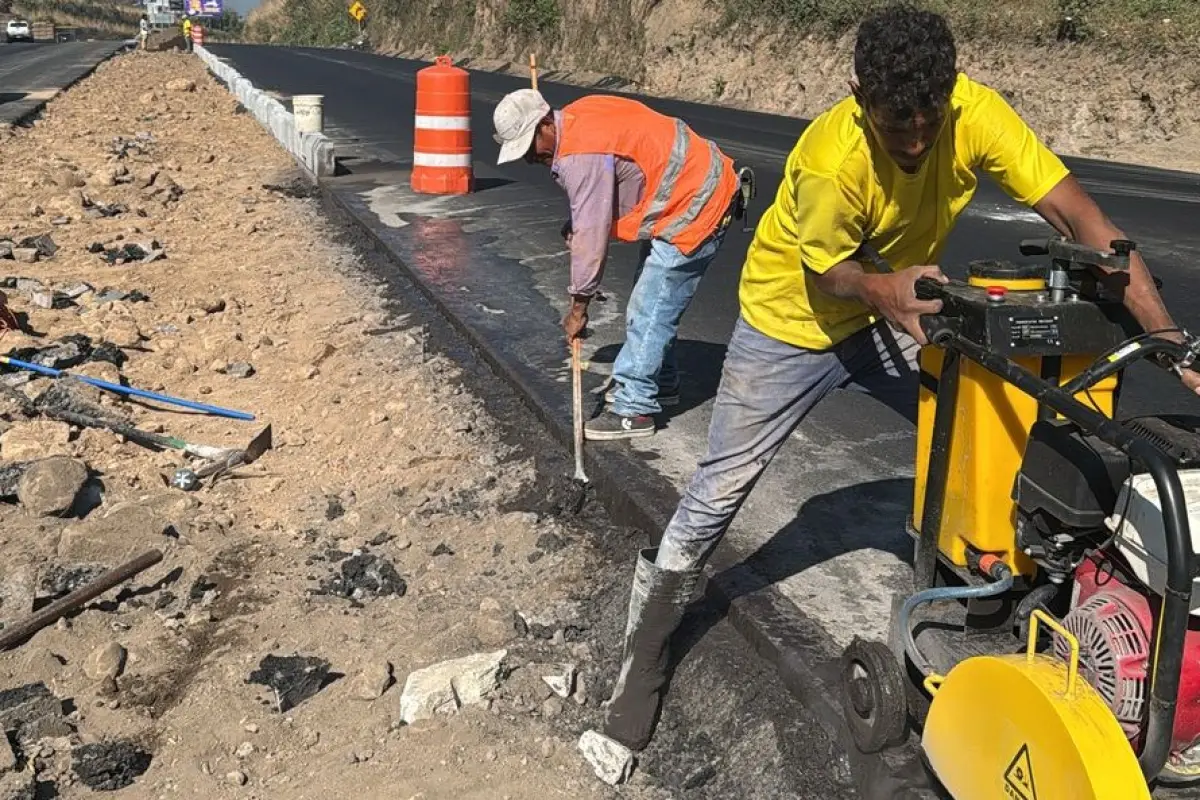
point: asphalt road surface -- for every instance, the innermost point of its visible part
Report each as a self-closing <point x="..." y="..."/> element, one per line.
<point x="822" y="535"/>
<point x="32" y="73"/>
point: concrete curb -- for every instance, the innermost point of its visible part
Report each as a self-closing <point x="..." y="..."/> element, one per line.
<point x="314" y="151"/>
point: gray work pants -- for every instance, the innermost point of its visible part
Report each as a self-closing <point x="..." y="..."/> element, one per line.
<point x="767" y="388"/>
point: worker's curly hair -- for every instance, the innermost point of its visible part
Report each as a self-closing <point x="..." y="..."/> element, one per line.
<point x="905" y="61"/>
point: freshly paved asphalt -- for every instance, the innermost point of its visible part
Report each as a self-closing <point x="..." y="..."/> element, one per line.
<point x="32" y="73"/>
<point x="819" y="549"/>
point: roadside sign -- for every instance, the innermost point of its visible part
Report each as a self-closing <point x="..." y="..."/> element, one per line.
<point x="358" y="10"/>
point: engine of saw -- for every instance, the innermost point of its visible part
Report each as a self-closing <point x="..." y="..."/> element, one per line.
<point x="1092" y="521"/>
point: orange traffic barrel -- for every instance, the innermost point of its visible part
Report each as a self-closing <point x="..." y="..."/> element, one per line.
<point x="198" y="35"/>
<point x="442" y="150"/>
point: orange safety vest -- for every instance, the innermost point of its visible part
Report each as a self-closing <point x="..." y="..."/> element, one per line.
<point x="690" y="183"/>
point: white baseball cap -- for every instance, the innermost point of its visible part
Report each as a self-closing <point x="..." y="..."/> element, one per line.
<point x="516" y="119"/>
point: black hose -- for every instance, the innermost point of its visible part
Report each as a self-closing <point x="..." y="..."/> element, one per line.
<point x="1039" y="596"/>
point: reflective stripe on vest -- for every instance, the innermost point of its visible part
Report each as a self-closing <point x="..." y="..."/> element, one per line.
<point x="675" y="162"/>
<point x="662" y="195"/>
<point x="701" y="198"/>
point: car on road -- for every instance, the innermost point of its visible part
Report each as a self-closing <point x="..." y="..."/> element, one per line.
<point x="18" y="30"/>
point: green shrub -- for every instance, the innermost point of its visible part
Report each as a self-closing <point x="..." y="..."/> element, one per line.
<point x="532" y="17"/>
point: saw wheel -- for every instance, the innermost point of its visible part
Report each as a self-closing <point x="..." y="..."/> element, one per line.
<point x="874" y="696"/>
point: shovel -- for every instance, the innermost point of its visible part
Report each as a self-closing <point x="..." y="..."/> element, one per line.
<point x="577" y="408"/>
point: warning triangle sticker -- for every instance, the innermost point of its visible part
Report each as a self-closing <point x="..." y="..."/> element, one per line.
<point x="1018" y="778"/>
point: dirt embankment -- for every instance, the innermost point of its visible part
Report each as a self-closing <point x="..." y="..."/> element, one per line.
<point x="154" y="234"/>
<point x="1107" y="98"/>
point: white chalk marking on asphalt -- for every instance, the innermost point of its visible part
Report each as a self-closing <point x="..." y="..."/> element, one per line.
<point x="1003" y="214"/>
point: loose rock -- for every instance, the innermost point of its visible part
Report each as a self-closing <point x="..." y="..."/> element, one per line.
<point x="443" y="688"/>
<point x="18" y="589"/>
<point x="562" y="680"/>
<point x="18" y="786"/>
<point x="373" y="681"/>
<point x="181" y="85"/>
<point x="129" y="527"/>
<point x="25" y="255"/>
<point x="612" y="761"/>
<point x="240" y="369"/>
<point x="8" y="758"/>
<point x="33" y="440"/>
<point x="105" y="663"/>
<point x="237" y="777"/>
<point x="50" y="487"/>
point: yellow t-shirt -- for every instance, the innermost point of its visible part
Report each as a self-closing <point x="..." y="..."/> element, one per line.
<point x="840" y="189"/>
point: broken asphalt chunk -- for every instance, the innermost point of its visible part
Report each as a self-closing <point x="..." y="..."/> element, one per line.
<point x="109" y="766"/>
<point x="365" y="576"/>
<point x="44" y="245"/>
<point x="10" y="477"/>
<point x="33" y="712"/>
<point x="293" y="679"/>
<point x="131" y="252"/>
<point x="116" y="295"/>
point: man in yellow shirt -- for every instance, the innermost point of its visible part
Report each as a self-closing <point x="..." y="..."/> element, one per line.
<point x="187" y="34"/>
<point x="881" y="176"/>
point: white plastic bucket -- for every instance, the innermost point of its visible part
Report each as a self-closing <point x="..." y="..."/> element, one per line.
<point x="306" y="108"/>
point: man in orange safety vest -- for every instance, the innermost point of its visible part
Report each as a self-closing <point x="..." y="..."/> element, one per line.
<point x="632" y="174"/>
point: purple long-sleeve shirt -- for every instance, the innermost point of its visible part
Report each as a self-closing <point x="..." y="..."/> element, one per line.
<point x="601" y="189"/>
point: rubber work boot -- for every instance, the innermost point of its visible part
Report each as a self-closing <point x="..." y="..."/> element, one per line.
<point x="656" y="607"/>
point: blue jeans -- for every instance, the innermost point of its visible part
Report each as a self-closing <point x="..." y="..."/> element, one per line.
<point x="767" y="388"/>
<point x="665" y="283"/>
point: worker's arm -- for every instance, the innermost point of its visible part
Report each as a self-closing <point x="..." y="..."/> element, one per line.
<point x="1003" y="146"/>
<point x="891" y="296"/>
<point x="1074" y="213"/>
<point x="590" y="184"/>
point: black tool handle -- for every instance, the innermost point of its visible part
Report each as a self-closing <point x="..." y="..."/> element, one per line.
<point x="929" y="289"/>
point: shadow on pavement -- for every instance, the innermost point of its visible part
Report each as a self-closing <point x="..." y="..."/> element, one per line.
<point x="12" y="97"/>
<point x="827" y="526"/>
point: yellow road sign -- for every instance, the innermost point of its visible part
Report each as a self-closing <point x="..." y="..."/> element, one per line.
<point x="358" y="10"/>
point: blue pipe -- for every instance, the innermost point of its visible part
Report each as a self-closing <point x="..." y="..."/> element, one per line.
<point x="129" y="390"/>
<point x="944" y="593"/>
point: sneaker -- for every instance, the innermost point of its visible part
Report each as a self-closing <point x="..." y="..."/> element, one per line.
<point x="666" y="399"/>
<point x="609" y="426"/>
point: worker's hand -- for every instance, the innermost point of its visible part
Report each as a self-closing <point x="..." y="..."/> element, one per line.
<point x="894" y="297"/>
<point x="567" y="232"/>
<point x="576" y="318"/>
<point x="1191" y="379"/>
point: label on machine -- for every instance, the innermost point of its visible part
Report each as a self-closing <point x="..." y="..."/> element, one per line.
<point x="1034" y="331"/>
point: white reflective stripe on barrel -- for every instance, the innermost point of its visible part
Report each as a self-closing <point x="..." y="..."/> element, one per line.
<point x="442" y="159"/>
<point x="432" y="123"/>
